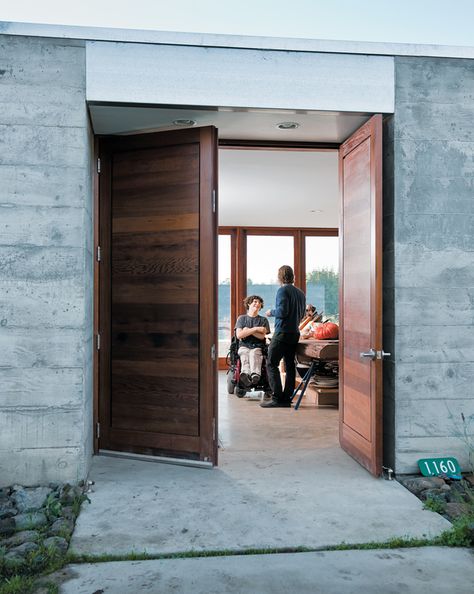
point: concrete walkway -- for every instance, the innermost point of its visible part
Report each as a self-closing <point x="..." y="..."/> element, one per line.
<point x="283" y="481"/>
<point x="415" y="571"/>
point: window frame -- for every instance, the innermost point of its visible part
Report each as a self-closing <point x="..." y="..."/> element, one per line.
<point x="238" y="248"/>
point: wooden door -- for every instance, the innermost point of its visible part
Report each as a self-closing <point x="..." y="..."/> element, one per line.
<point x="361" y="354"/>
<point x="158" y="294"/>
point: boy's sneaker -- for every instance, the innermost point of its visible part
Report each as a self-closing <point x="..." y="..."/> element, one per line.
<point x="255" y="378"/>
<point x="245" y="380"/>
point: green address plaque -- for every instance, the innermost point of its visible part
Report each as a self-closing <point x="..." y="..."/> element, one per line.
<point x="436" y="466"/>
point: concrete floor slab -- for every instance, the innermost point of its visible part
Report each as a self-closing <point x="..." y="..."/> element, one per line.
<point x="283" y="481"/>
<point x="427" y="570"/>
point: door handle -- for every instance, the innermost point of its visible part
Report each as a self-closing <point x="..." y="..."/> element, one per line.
<point x="371" y="354"/>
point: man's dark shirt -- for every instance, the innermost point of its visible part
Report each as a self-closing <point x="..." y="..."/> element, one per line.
<point x="246" y="321"/>
<point x="289" y="310"/>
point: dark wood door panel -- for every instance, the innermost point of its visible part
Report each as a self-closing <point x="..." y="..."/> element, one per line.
<point x="156" y="207"/>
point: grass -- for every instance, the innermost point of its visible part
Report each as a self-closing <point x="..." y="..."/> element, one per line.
<point x="17" y="584"/>
<point x="435" y="505"/>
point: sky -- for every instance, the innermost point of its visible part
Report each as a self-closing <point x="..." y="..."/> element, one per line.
<point x="265" y="255"/>
<point x="401" y="21"/>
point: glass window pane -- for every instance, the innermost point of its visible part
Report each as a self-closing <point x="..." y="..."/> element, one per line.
<point x="265" y="255"/>
<point x="322" y="275"/>
<point x="223" y="279"/>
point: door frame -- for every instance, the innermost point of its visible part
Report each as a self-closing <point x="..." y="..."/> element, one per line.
<point x="240" y="245"/>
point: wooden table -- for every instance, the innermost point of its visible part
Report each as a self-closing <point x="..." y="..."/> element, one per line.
<point x="311" y="352"/>
<point x="324" y="350"/>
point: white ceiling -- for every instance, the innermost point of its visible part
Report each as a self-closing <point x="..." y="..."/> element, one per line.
<point x="281" y="188"/>
<point x="241" y="124"/>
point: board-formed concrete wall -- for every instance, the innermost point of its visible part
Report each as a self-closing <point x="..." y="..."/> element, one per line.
<point x="429" y="279"/>
<point x="45" y="262"/>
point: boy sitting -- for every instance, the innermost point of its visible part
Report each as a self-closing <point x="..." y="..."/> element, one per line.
<point x="251" y="330"/>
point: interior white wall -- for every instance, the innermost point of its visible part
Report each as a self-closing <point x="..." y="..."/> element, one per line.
<point x="273" y="188"/>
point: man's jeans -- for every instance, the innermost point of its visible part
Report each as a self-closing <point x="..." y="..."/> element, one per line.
<point x="282" y="346"/>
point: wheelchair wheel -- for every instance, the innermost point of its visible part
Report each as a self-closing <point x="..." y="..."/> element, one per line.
<point x="240" y="393"/>
<point x="230" y="382"/>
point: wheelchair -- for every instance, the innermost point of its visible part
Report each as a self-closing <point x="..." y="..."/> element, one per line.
<point x="234" y="385"/>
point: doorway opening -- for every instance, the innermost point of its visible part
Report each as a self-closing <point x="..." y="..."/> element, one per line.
<point x="158" y="234"/>
<point x="277" y="205"/>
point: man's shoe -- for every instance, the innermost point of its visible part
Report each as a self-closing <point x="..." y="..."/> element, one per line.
<point x="255" y="378"/>
<point x="276" y="404"/>
<point x="246" y="381"/>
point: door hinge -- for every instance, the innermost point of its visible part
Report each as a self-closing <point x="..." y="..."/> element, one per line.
<point x="213" y="352"/>
<point x="214" y="429"/>
<point x="98" y="165"/>
<point x="213" y="201"/>
<point x="97" y="430"/>
<point x="98" y="253"/>
<point x="97" y="342"/>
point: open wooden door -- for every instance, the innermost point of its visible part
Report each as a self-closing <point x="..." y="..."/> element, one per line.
<point x="361" y="354"/>
<point x="158" y="294"/>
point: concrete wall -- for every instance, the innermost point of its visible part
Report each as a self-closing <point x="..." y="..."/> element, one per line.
<point x="230" y="77"/>
<point x="429" y="279"/>
<point x="45" y="262"/>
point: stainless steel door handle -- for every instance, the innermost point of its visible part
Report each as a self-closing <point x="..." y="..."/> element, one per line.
<point x="383" y="355"/>
<point x="371" y="354"/>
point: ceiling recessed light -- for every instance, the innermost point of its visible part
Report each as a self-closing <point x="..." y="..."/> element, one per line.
<point x="315" y="210"/>
<point x="288" y="125"/>
<point x="184" y="122"/>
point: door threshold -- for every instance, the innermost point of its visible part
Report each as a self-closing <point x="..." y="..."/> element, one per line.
<point x="159" y="459"/>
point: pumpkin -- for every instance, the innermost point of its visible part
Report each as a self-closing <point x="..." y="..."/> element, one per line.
<point x="326" y="331"/>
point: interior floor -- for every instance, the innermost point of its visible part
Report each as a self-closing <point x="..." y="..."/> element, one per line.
<point x="247" y="428"/>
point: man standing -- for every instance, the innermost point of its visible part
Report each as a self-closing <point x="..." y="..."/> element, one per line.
<point x="289" y="309"/>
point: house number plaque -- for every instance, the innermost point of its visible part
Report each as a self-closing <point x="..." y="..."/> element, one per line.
<point x="436" y="466"/>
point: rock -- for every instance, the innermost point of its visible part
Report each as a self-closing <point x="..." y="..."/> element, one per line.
<point x="454" y="497"/>
<point x="418" y="484"/>
<point x="62" y="526"/>
<point x="7" y="526"/>
<point x="30" y="498"/>
<point x="21" y="537"/>
<point x="435" y="494"/>
<point x="13" y="561"/>
<point x="7" y="509"/>
<point x="446" y="488"/>
<point x="470" y="531"/>
<point x="68" y="493"/>
<point x="30" y="520"/>
<point x="470" y="479"/>
<point x="25" y="548"/>
<point x="57" y="543"/>
<point x="456" y="509"/>
<point x="67" y="512"/>
<point x="461" y="490"/>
